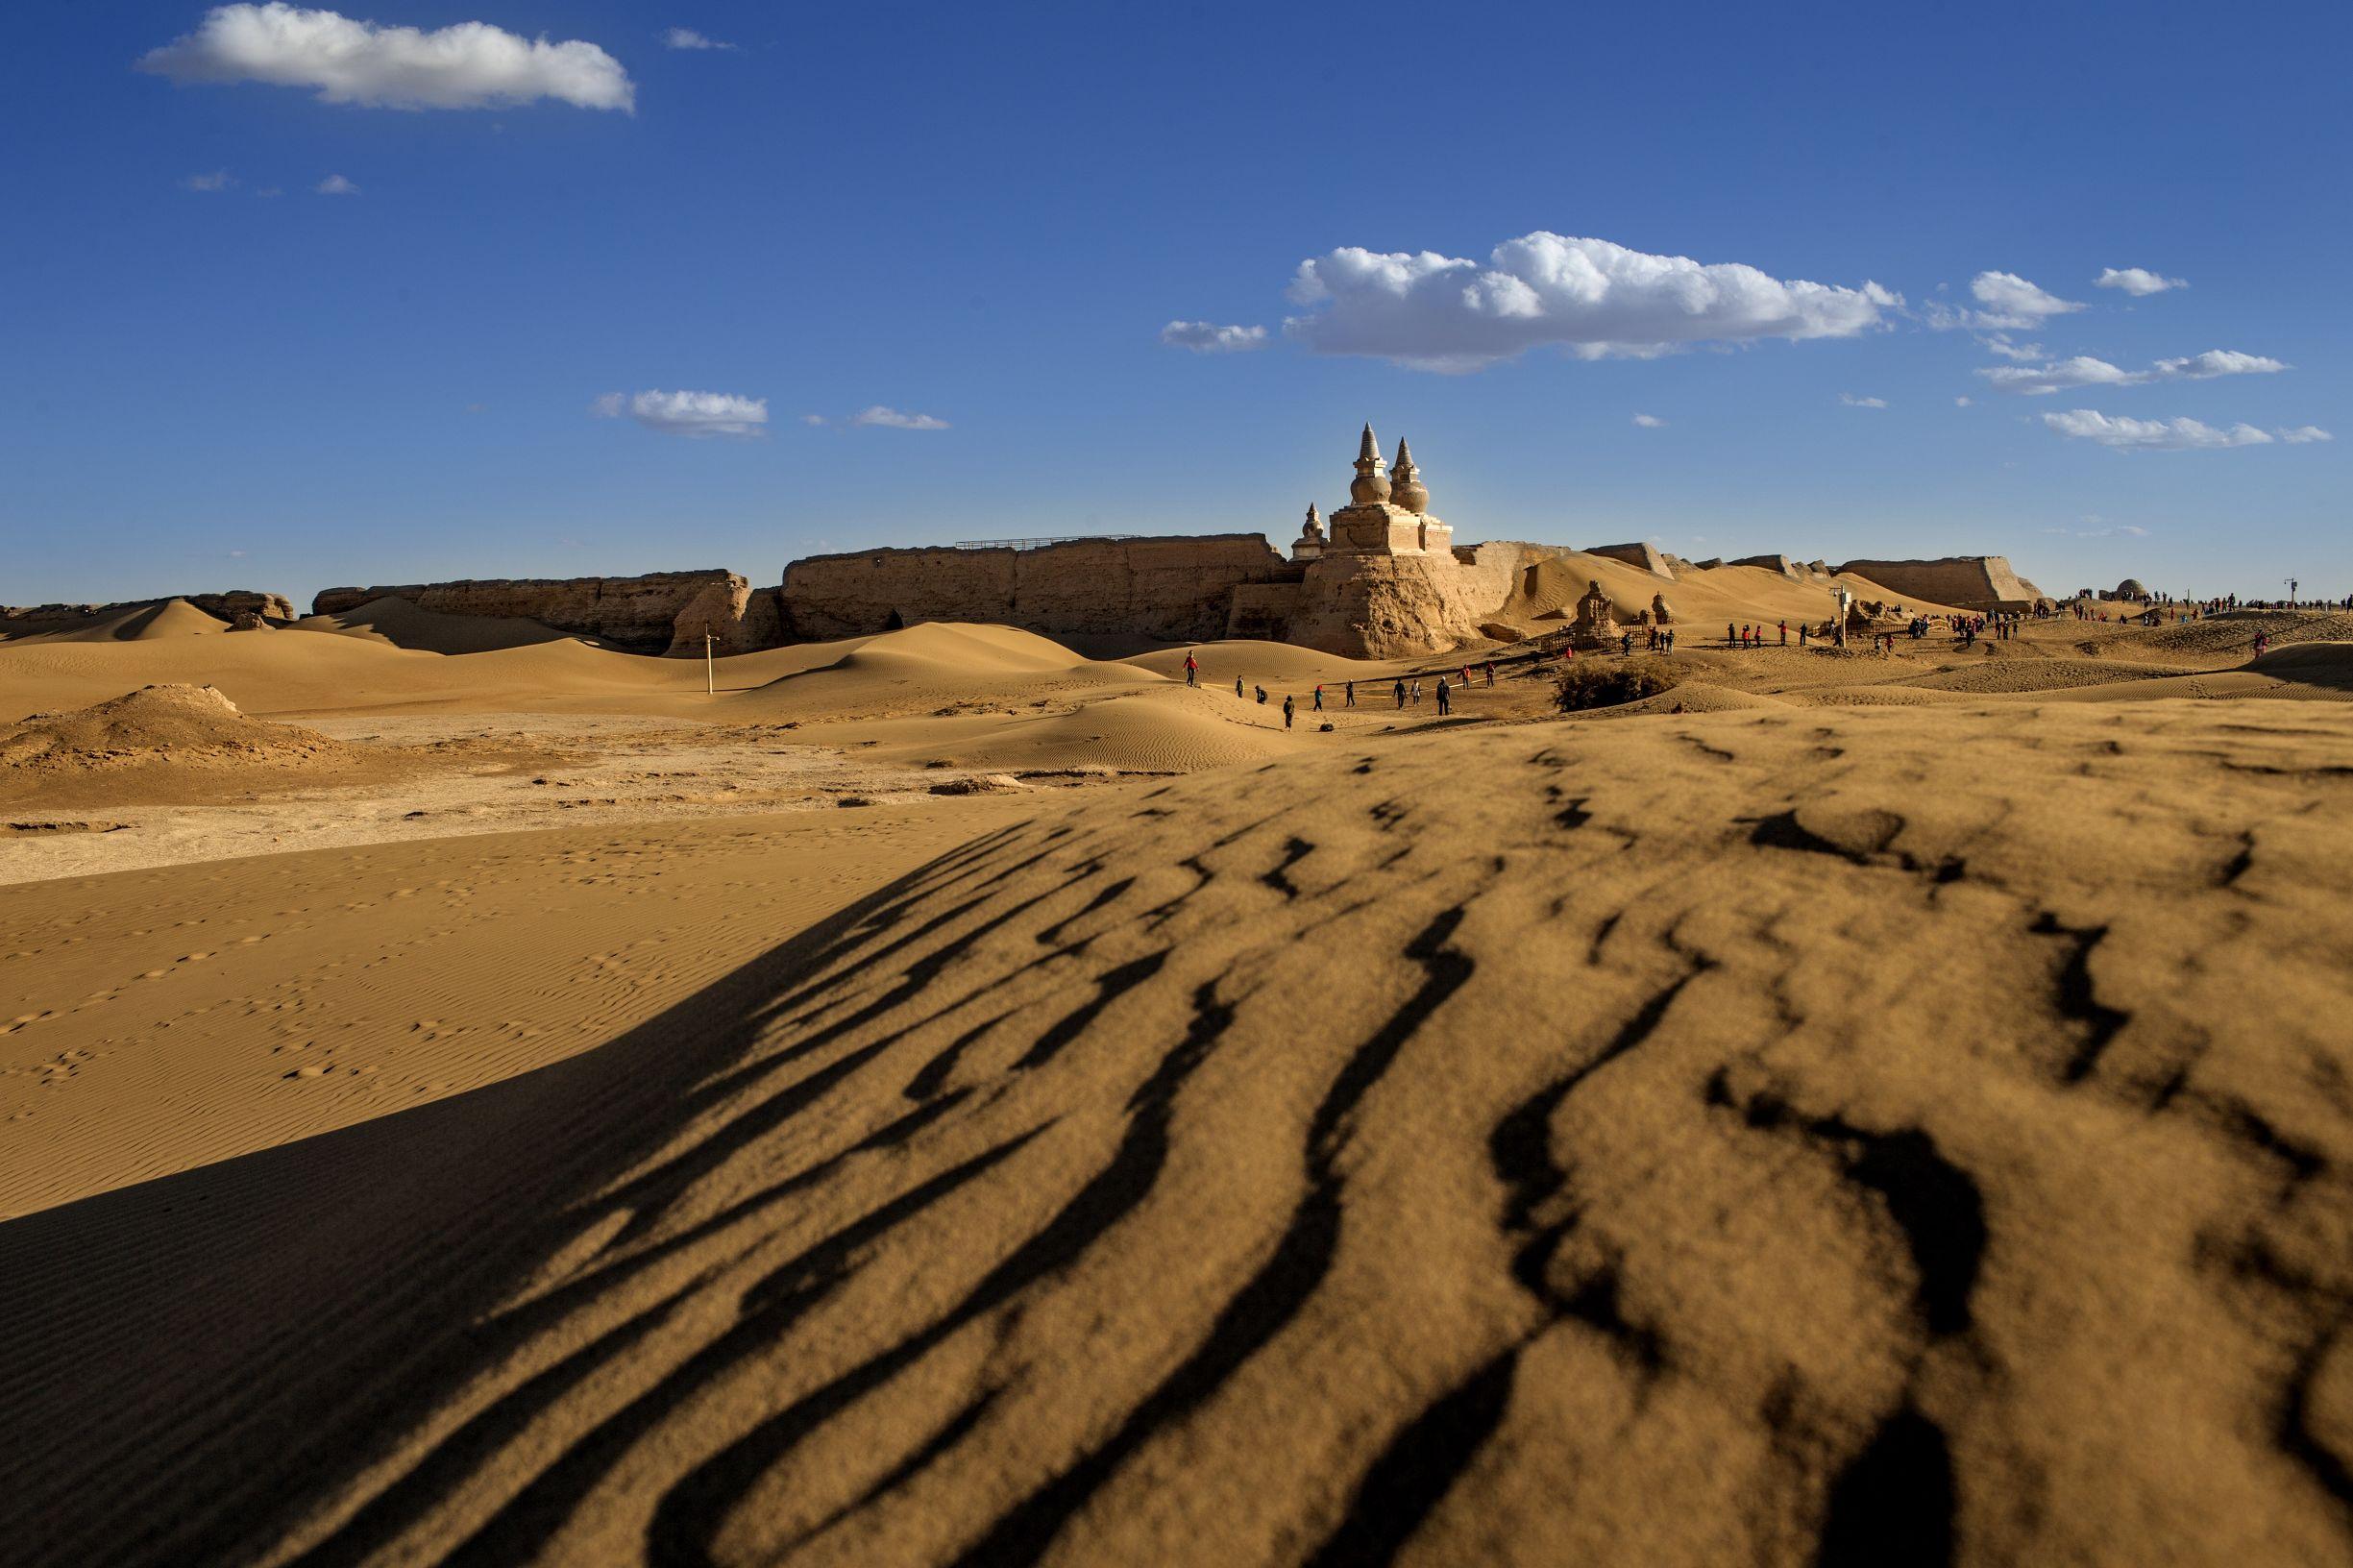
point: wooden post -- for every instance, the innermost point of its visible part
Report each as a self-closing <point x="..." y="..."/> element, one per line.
<point x="710" y="676"/>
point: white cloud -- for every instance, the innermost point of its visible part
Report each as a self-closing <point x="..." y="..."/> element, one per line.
<point x="1206" y="337"/>
<point x="271" y="190"/>
<point x="2085" y="371"/>
<point x="1853" y="402"/>
<point x="334" y="185"/>
<point x="893" y="419"/>
<point x="2011" y="303"/>
<point x="217" y="180"/>
<point x="2138" y="282"/>
<point x="236" y="554"/>
<point x="686" y="37"/>
<point x="687" y="414"/>
<point x="2000" y="343"/>
<point x="467" y="65"/>
<point x="1650" y="422"/>
<point x="1960" y="402"/>
<point x="2115" y="531"/>
<point x="1588" y="296"/>
<point x="2171" y="435"/>
<point x="813" y="419"/>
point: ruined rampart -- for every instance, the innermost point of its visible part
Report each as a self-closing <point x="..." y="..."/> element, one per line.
<point x="662" y="612"/>
<point x="1172" y="588"/>
<point x="1968" y="582"/>
<point x="1646" y="557"/>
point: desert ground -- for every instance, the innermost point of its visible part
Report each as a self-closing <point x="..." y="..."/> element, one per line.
<point x="946" y="1097"/>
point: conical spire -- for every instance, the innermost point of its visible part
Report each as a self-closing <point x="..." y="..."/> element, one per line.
<point x="1371" y="485"/>
<point x="1408" y="490"/>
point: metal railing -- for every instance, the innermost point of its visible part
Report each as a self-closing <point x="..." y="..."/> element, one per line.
<point x="1036" y="544"/>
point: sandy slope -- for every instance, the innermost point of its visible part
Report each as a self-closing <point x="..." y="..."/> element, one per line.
<point x="1783" y="1136"/>
<point x="155" y="1021"/>
<point x="401" y="623"/>
<point x="168" y="621"/>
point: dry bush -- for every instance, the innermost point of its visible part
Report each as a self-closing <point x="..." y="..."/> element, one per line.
<point x="1605" y="683"/>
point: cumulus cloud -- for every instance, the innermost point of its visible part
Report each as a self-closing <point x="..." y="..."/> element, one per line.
<point x="217" y="180"/>
<point x="334" y="185"/>
<point x="686" y="37"/>
<point x="893" y="419"/>
<point x="2125" y="435"/>
<point x="1206" y="337"/>
<point x="1960" y="402"/>
<point x="466" y="66"/>
<point x="1853" y="402"/>
<point x="2138" y="282"/>
<point x="687" y="414"/>
<point x="814" y="420"/>
<point x="2010" y="304"/>
<point x="1650" y="422"/>
<point x="2035" y="380"/>
<point x="1587" y="296"/>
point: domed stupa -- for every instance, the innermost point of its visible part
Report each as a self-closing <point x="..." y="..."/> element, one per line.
<point x="1311" y="542"/>
<point x="1371" y="485"/>
<point x="1386" y="517"/>
<point x="1406" y="487"/>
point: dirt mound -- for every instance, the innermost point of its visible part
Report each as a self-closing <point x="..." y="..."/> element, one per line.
<point x="1755" y="1140"/>
<point x="180" y="725"/>
<point x="404" y="624"/>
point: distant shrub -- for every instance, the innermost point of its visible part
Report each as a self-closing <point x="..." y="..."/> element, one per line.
<point x="1605" y="683"/>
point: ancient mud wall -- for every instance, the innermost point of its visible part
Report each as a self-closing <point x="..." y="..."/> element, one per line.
<point x="662" y="612"/>
<point x="1646" y="557"/>
<point x="1172" y="588"/>
<point x="1969" y="582"/>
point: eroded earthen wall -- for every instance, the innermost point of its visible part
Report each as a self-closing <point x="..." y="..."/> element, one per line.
<point x="1174" y="588"/>
<point x="1968" y="582"/>
<point x="662" y="612"/>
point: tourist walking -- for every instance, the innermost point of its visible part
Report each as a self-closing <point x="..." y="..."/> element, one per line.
<point x="1193" y="668"/>
<point x="1287" y="713"/>
<point x="1444" y="699"/>
<point x="1784" y="634"/>
<point x="1238" y="685"/>
<point x="1319" y="698"/>
<point x="1401" y="694"/>
<point x="1352" y="696"/>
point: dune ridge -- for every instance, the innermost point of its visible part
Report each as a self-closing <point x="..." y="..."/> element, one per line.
<point x="1468" y="1151"/>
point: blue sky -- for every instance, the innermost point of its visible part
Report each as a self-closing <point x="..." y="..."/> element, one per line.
<point x="983" y="218"/>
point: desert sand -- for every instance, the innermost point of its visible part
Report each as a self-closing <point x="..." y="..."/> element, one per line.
<point x="474" y="1096"/>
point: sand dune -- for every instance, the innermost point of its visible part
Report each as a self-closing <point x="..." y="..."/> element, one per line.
<point x="1726" y="1143"/>
<point x="1703" y="600"/>
<point x="403" y="624"/>
<point x="150" y="623"/>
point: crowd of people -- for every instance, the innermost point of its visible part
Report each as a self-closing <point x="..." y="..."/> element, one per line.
<point x="2001" y="626"/>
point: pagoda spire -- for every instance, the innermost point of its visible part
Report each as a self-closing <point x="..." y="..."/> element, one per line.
<point x="1371" y="485"/>
<point x="1406" y="490"/>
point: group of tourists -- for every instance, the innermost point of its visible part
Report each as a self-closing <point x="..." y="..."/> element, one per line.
<point x="1753" y="636"/>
